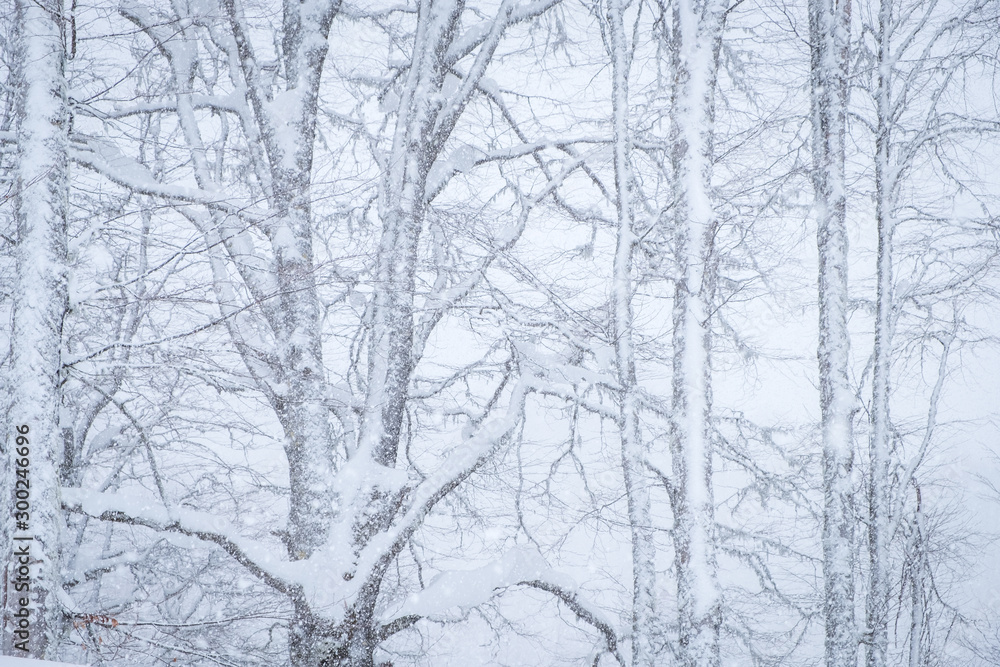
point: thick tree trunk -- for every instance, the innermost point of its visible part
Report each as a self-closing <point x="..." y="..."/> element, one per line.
<point x="698" y="33"/>
<point x="309" y="441"/>
<point x="829" y="23"/>
<point x="348" y="643"/>
<point x="309" y="437"/>
<point x="636" y="486"/>
<point x="390" y="355"/>
<point x="295" y="381"/>
<point x="314" y="643"/>
<point x="40" y="303"/>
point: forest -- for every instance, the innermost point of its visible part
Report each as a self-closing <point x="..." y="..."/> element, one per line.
<point x="349" y="333"/>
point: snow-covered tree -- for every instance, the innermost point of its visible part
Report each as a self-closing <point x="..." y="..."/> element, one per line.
<point x="439" y="332"/>
<point x="644" y="618"/>
<point x="697" y="39"/>
<point x="353" y="503"/>
<point x="830" y="41"/>
<point x="32" y="433"/>
<point x="920" y="110"/>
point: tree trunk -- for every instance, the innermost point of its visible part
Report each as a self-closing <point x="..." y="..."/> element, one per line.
<point x="34" y="439"/>
<point x="349" y="643"/>
<point x="424" y="122"/>
<point x="401" y="208"/>
<point x="309" y="438"/>
<point x="829" y="24"/>
<point x="633" y="466"/>
<point x="698" y="34"/>
<point x="879" y="444"/>
<point x="314" y="643"/>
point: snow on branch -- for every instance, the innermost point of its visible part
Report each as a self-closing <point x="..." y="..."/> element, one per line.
<point x="227" y="104"/>
<point x="466" y="589"/>
<point x="111" y="163"/>
<point x="547" y="388"/>
<point x="135" y="511"/>
<point x="462" y="462"/>
<point x="583" y="612"/>
<point x="480" y="32"/>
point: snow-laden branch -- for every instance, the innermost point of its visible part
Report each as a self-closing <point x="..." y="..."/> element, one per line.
<point x="583" y="612"/>
<point x="480" y="32"/>
<point x="449" y="115"/>
<point x="548" y="388"/>
<point x="111" y="163"/>
<point x="124" y="345"/>
<point x="465" y="158"/>
<point x="122" y="508"/>
<point x="313" y="578"/>
<point x="467" y="589"/>
<point x="441" y="303"/>
<point x="228" y="104"/>
<point x="93" y="569"/>
<point x="378" y="554"/>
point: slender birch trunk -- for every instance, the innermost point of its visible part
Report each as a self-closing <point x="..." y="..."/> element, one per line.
<point x="40" y="303"/>
<point x="879" y="445"/>
<point x="918" y="591"/>
<point x="636" y="487"/>
<point x="698" y="33"/>
<point x="829" y="27"/>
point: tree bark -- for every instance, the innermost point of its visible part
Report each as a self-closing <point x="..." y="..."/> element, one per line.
<point x="633" y="467"/>
<point x="829" y="28"/>
<point x="697" y="38"/>
<point x="40" y="304"/>
<point x="288" y="136"/>
<point x="877" y="611"/>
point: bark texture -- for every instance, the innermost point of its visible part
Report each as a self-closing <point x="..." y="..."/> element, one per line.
<point x="697" y="40"/>
<point x="40" y="304"/>
<point x="879" y="503"/>
<point x="644" y="618"/>
<point x="829" y="30"/>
